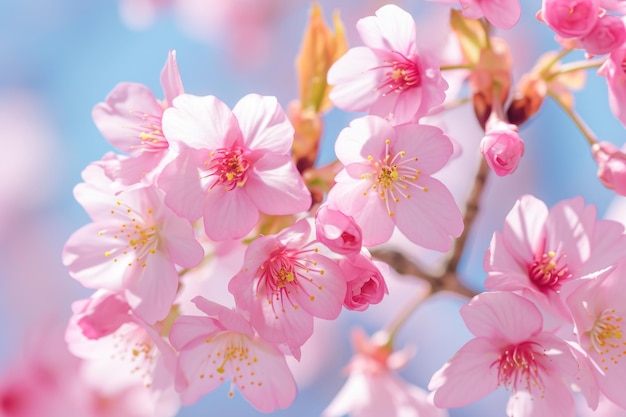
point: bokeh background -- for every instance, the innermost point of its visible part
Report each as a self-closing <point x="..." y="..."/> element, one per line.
<point x="58" y="58"/>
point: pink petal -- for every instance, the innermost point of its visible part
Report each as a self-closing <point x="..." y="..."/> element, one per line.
<point x="470" y="367"/>
<point x="179" y="241"/>
<point x="151" y="290"/>
<point x="180" y="180"/>
<point x="187" y="329"/>
<point x="523" y="229"/>
<point x="430" y="219"/>
<point x="556" y="401"/>
<point x="229" y="214"/>
<point x="199" y="122"/>
<point x="428" y="143"/>
<point x="272" y="385"/>
<point x="392" y="29"/>
<point x="502" y="316"/>
<point x="505" y="272"/>
<point x="263" y="124"/>
<point x="364" y="137"/>
<point x="85" y="253"/>
<point x="569" y="227"/>
<point x="276" y="187"/>
<point x="502" y="13"/>
<point x="121" y="117"/>
<point x="354" y="80"/>
<point x="323" y="293"/>
<point x="170" y="79"/>
<point x="228" y="318"/>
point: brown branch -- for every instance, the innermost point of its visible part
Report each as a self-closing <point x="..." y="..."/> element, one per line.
<point x="448" y="280"/>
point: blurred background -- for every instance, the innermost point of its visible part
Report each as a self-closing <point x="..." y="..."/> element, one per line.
<point x="59" y="58"/>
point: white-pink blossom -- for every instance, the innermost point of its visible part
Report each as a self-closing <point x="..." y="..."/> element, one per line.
<point x="386" y="182"/>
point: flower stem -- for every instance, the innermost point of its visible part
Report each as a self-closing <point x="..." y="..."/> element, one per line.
<point x="456" y="67"/>
<point x="586" y="131"/>
<point x="576" y="66"/>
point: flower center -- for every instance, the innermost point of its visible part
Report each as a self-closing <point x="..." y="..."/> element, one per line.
<point x="150" y="134"/>
<point x="138" y="231"/>
<point x="235" y="352"/>
<point x="518" y="367"/>
<point x="229" y="166"/>
<point x="401" y="74"/>
<point x="282" y="274"/>
<point x="548" y="272"/>
<point x="606" y="337"/>
<point x="393" y="177"/>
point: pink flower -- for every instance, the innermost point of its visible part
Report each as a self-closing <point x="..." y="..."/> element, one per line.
<point x="387" y="182"/>
<point x="502" y="147"/>
<point x="134" y="245"/>
<point x="284" y="282"/>
<point x="540" y="250"/>
<point x="103" y="329"/>
<point x="231" y="164"/>
<point x="607" y="35"/>
<point x="130" y="119"/>
<point x="224" y="346"/>
<point x="338" y="232"/>
<point x="388" y="76"/>
<point x="613" y="70"/>
<point x="599" y="311"/>
<point x="611" y="166"/>
<point x="570" y="18"/>
<point x="501" y="13"/>
<point x="374" y="389"/>
<point x="510" y="350"/>
<point x="366" y="283"/>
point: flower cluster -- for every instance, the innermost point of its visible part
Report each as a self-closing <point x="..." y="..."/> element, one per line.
<point x="197" y="180"/>
<point x="216" y="242"/>
<point x="552" y="317"/>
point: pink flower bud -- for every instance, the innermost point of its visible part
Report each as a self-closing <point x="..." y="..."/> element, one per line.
<point x="611" y="166"/>
<point x="502" y="147"/>
<point x="337" y="231"/>
<point x="101" y="315"/>
<point x="608" y="34"/>
<point x="366" y="284"/>
<point x="570" y="18"/>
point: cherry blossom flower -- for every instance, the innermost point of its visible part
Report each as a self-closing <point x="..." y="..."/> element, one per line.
<point x="388" y="76"/>
<point x="224" y="346"/>
<point x="134" y="244"/>
<point x="540" y="250"/>
<point x="284" y="282"/>
<point x="613" y="70"/>
<point x="130" y="119"/>
<point x="231" y="164"/>
<point x="104" y="330"/>
<point x="374" y="388"/>
<point x="570" y="18"/>
<point x="337" y="231"/>
<point x="386" y="182"/>
<point x="608" y="34"/>
<point x="611" y="166"/>
<point x="598" y="310"/>
<point x="502" y="147"/>
<point x="510" y="350"/>
<point x="366" y="283"/>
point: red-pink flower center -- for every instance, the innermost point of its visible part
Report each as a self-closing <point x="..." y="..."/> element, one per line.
<point x="520" y="366"/>
<point x="401" y="74"/>
<point x="548" y="272"/>
<point x="283" y="274"/>
<point x="229" y="166"/>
